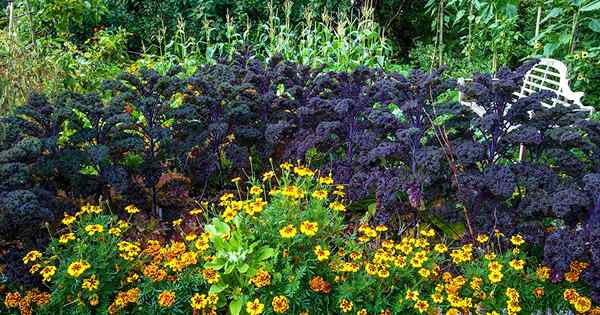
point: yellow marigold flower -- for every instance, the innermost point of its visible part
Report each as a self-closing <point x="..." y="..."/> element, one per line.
<point x="177" y="222"/>
<point x="94" y="228"/>
<point x="32" y="256"/>
<point x="287" y="231"/>
<point x="68" y="219"/>
<point x="495" y="266"/>
<point x="383" y="272"/>
<point x="428" y="233"/>
<point x="76" y="268"/>
<point x="34" y="268"/>
<point x="199" y="301"/>
<point x="437" y="298"/>
<point x="286" y="166"/>
<point x="322" y="254"/>
<point x="303" y="171"/>
<point x="362" y="311"/>
<point x="440" y="248"/>
<point x="236" y="180"/>
<point x="346" y="305"/>
<point x="412" y="295"/>
<point x="309" y="228"/>
<point x="47" y="273"/>
<point x="326" y="180"/>
<point x="517" y="264"/>
<point x="132" y="209"/>
<point x="166" y="298"/>
<point x="321" y="195"/>
<point x="482" y="238"/>
<point x="196" y="211"/>
<point x="495" y="276"/>
<point x="91" y="283"/>
<point x="582" y="304"/>
<point x="422" y="306"/>
<point x="114" y="231"/>
<point x="134" y="277"/>
<point x="212" y="298"/>
<point x="91" y="209"/>
<point x="211" y="275"/>
<point x="490" y="256"/>
<point x="268" y="175"/>
<point x="254" y="307"/>
<point x="280" y="304"/>
<point x="381" y="228"/>
<point x="255" y="190"/>
<point x="337" y="206"/>
<point x="517" y="240"/>
<point x="453" y="311"/>
<point x="424" y="272"/>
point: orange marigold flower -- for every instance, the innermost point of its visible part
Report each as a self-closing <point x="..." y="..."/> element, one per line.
<point x="12" y="299"/>
<point x="166" y="298"/>
<point x="280" y="304"/>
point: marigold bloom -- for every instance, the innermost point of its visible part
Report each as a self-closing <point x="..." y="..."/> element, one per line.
<point x="199" y="301"/>
<point x="318" y="284"/>
<point x="261" y="279"/>
<point x="211" y="275"/>
<point x="422" y="306"/>
<point x="309" y="228"/>
<point x="495" y="276"/>
<point x="76" y="268"/>
<point x="538" y="292"/>
<point x="91" y="283"/>
<point x="12" y="299"/>
<point x="346" y="305"/>
<point x="517" y="240"/>
<point x="47" y="273"/>
<point x="196" y="211"/>
<point x="268" y="175"/>
<point x="166" y="298"/>
<point x="517" y="264"/>
<point x="280" y="304"/>
<point x="132" y="209"/>
<point x="582" y="304"/>
<point x="254" y="307"/>
<point x="571" y="276"/>
<point x="322" y="254"/>
<point x="482" y="238"/>
<point x="337" y="206"/>
<point x="570" y="294"/>
<point x="68" y="219"/>
<point x="32" y="256"/>
<point x="94" y="228"/>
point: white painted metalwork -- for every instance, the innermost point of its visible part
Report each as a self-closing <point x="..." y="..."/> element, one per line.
<point x="550" y="75"/>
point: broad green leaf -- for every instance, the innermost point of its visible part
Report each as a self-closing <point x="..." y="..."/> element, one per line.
<point x="243" y="268"/>
<point x="264" y="253"/>
<point x="222" y="227"/>
<point x="595" y="5"/>
<point x="594" y="25"/>
<point x="235" y="307"/>
<point x="217" y="288"/>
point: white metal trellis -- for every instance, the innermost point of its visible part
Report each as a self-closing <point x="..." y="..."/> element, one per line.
<point x="550" y="75"/>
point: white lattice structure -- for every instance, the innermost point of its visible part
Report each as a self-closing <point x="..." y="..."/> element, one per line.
<point x="548" y="74"/>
